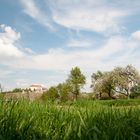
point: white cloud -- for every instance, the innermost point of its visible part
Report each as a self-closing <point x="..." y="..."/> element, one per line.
<point x="100" y="16"/>
<point x="8" y="38"/>
<point x="79" y="43"/>
<point x="136" y="35"/>
<point x="32" y="9"/>
<point x="22" y="82"/>
<point x="96" y="19"/>
<point x="28" y="51"/>
<point x="116" y="50"/>
<point x="5" y="73"/>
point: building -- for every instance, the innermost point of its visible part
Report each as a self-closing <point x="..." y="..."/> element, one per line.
<point x="37" y="88"/>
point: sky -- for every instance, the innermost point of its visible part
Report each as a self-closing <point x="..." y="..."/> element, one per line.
<point x="41" y="40"/>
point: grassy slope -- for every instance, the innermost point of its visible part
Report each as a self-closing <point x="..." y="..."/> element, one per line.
<point x="98" y="120"/>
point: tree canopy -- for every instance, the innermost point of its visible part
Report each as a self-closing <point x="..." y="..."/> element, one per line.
<point x="120" y="80"/>
<point x="76" y="79"/>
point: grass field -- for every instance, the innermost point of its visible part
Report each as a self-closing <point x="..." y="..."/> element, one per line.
<point x="81" y="120"/>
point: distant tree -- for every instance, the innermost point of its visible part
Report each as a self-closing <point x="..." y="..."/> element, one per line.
<point x="27" y="90"/>
<point x="119" y="80"/>
<point x="96" y="77"/>
<point x="96" y="80"/>
<point x="76" y="80"/>
<point x="64" y="90"/>
<point x="135" y="91"/>
<point x="51" y="93"/>
<point x="17" y="90"/>
<point x="108" y="84"/>
<point x="126" y="78"/>
<point x="103" y="83"/>
<point x="1" y="88"/>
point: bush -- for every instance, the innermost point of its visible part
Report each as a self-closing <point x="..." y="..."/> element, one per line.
<point x="135" y="91"/>
<point x="51" y="94"/>
<point x="17" y="90"/>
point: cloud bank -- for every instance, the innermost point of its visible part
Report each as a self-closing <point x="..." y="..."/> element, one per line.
<point x="100" y="16"/>
<point x="95" y="32"/>
<point x="116" y="50"/>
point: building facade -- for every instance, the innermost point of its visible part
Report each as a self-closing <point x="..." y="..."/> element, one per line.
<point x="37" y="88"/>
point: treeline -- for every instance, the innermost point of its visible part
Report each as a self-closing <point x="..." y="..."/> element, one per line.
<point x="121" y="82"/>
<point x="70" y="89"/>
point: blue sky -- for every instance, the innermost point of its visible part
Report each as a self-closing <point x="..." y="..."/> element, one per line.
<point x="40" y="41"/>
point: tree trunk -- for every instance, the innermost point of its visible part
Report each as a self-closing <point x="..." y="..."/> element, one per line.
<point x="109" y="94"/>
<point x="128" y="93"/>
<point x="76" y="93"/>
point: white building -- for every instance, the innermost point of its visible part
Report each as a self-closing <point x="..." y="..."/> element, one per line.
<point x="37" y="88"/>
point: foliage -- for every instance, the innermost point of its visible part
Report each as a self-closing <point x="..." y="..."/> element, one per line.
<point x="17" y="90"/>
<point x="126" y="79"/>
<point x="96" y="77"/>
<point x="135" y="91"/>
<point x="98" y="120"/>
<point x="76" y="80"/>
<point x="122" y="103"/>
<point x="51" y="93"/>
<point x="103" y="83"/>
<point x="119" y="80"/>
<point x="64" y="91"/>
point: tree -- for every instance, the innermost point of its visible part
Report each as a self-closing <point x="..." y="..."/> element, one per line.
<point x="108" y="84"/>
<point x="126" y="78"/>
<point x="96" y="80"/>
<point x="76" y="80"/>
<point x="17" y="90"/>
<point x="103" y="83"/>
<point x="119" y="80"/>
<point x="52" y="94"/>
<point x="64" y="90"/>
<point x="96" y="77"/>
<point x="1" y="88"/>
<point x="135" y="91"/>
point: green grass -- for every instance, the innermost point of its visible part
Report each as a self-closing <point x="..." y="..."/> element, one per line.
<point x="81" y="120"/>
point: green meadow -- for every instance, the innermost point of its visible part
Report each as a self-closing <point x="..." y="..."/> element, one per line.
<point x="79" y="120"/>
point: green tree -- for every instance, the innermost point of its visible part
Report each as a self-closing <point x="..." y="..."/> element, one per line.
<point x="51" y="94"/>
<point x="96" y="80"/>
<point x="64" y="90"/>
<point x="135" y="91"/>
<point x="17" y="90"/>
<point x="126" y="78"/>
<point x="76" y="80"/>
<point x="103" y="83"/>
<point x="96" y="77"/>
<point x="119" y="80"/>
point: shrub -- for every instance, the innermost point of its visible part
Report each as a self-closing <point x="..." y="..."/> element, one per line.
<point x="51" y="93"/>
